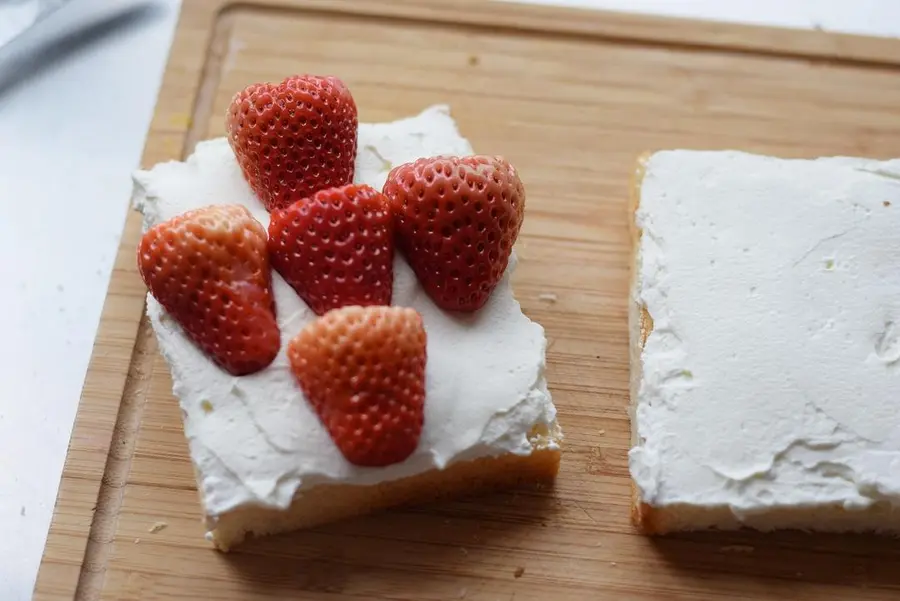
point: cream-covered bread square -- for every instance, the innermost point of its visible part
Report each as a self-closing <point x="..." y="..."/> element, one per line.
<point x="765" y="337"/>
<point x="264" y="461"/>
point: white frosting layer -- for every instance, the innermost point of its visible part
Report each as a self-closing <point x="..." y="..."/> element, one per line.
<point x="772" y="374"/>
<point x="255" y="439"/>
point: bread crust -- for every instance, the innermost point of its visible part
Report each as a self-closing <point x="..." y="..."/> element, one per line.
<point x="642" y="515"/>
<point x="333" y="502"/>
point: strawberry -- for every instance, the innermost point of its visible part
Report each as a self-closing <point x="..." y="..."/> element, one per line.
<point x="294" y="138"/>
<point x="456" y="220"/>
<point x="363" y="371"/>
<point x="209" y="270"/>
<point x="336" y="248"/>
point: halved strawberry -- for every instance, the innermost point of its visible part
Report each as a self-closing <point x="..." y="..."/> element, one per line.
<point x="456" y="220"/>
<point x="363" y="371"/>
<point x="336" y="248"/>
<point x="294" y="138"/>
<point x="209" y="269"/>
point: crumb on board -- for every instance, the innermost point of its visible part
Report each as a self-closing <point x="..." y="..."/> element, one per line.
<point x="613" y="564"/>
<point x="137" y="541"/>
<point x="548" y="297"/>
<point x="474" y="60"/>
<point x="737" y="549"/>
<point x="180" y="120"/>
<point x="463" y="592"/>
<point x="463" y="550"/>
<point x="601" y="432"/>
<point x="520" y="571"/>
<point x="157" y="527"/>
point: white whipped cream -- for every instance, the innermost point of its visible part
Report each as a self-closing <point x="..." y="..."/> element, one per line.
<point x="771" y="378"/>
<point x="254" y="439"/>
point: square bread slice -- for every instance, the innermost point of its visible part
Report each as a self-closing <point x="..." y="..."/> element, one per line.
<point x="263" y="460"/>
<point x="765" y="343"/>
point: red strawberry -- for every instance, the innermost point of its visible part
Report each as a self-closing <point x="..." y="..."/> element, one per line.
<point x="336" y="248"/>
<point x="456" y="220"/>
<point x="363" y="371"/>
<point x="210" y="271"/>
<point x="294" y="138"/>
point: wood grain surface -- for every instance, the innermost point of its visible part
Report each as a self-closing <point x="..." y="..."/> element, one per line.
<point x="572" y="98"/>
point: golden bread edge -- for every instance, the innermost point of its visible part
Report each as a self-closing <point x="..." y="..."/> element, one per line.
<point x="643" y="516"/>
<point x="334" y="502"/>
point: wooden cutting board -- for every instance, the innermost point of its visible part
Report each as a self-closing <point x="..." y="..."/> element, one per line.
<point x="571" y="98"/>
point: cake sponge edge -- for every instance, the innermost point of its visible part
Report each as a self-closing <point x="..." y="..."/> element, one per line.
<point x="329" y="503"/>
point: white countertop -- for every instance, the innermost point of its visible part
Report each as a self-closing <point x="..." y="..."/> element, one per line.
<point x="73" y="118"/>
